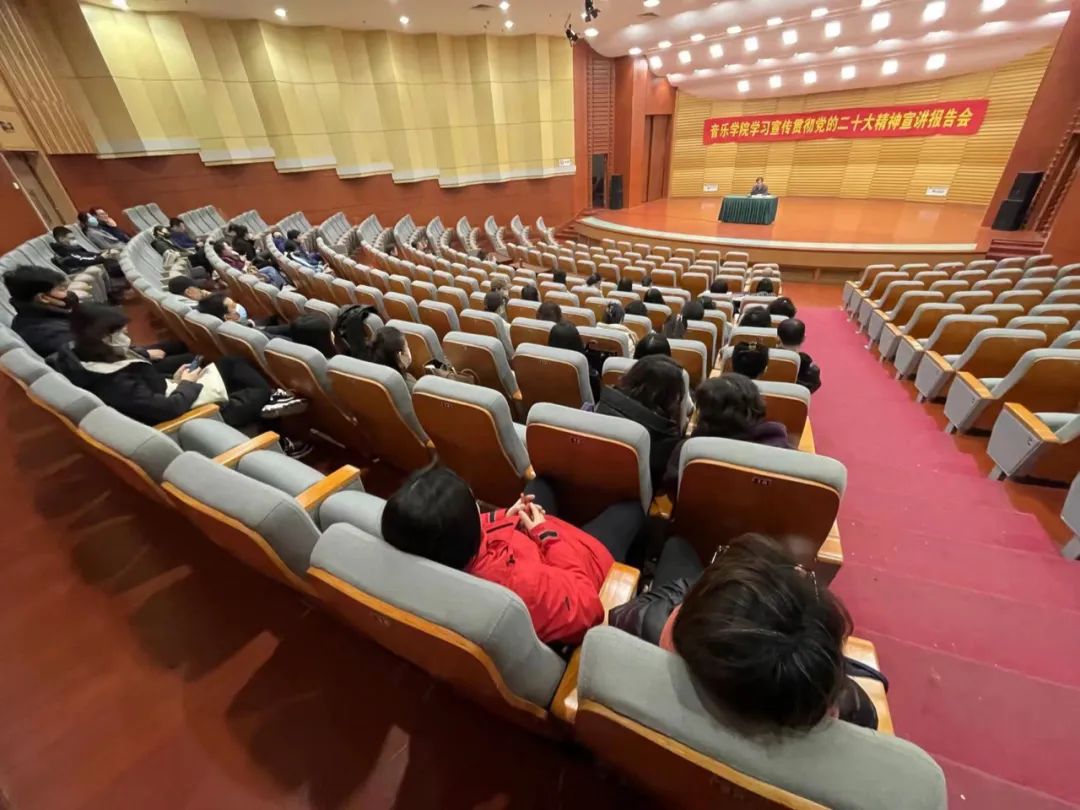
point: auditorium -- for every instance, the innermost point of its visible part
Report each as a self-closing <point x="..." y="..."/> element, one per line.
<point x="578" y="405"/>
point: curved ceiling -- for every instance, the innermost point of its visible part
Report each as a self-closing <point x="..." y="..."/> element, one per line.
<point x="727" y="49"/>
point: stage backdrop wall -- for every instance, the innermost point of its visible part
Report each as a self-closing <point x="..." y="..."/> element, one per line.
<point x="457" y="110"/>
<point x="896" y="168"/>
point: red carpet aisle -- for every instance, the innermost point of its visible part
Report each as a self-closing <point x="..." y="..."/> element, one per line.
<point x="957" y="580"/>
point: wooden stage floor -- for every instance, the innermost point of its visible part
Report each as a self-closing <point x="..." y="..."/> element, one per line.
<point x="819" y="233"/>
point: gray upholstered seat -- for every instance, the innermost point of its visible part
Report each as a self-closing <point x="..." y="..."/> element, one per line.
<point x="324" y="309"/>
<point x="1070" y="515"/>
<point x="783" y="363"/>
<point x="62" y="397"/>
<point x="484" y="355"/>
<point x="954" y="330"/>
<point x="546" y="374"/>
<point x="990" y="351"/>
<point x="423" y="343"/>
<point x="398" y="305"/>
<point x="923" y="321"/>
<point x="9" y="340"/>
<point x="489" y="615"/>
<point x="355" y="507"/>
<point x="836" y="764"/>
<point x="479" y="322"/>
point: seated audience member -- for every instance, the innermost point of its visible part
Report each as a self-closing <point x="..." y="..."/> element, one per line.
<point x="706" y="304"/>
<point x="756" y="631"/>
<point x="279" y="240"/>
<point x="624" y="285"/>
<point x="102" y="361"/>
<point x="675" y="326"/>
<point x="313" y="331"/>
<point x="390" y="349"/>
<point x="559" y="277"/>
<point x="652" y="394"/>
<point x="646" y="280"/>
<point x="185" y="288"/>
<point x="107" y="223"/>
<point x="654" y="296"/>
<point x="162" y="240"/>
<point x="719" y="287"/>
<point x="549" y="311"/>
<point x="352" y="336"/>
<point x="613" y="318"/>
<point x="495" y="302"/>
<point x="593" y="280"/>
<point x="101" y="238"/>
<point x="782" y="306"/>
<point x="764" y="287"/>
<point x="179" y="235"/>
<point x="757" y="317"/>
<point x="73" y="257"/>
<point x="231" y="257"/>
<point x="637" y="308"/>
<point x="241" y="242"/>
<point x="499" y="284"/>
<point x="792" y="334"/>
<point x="294" y="249"/>
<point x="555" y="568"/>
<point x="530" y="293"/>
<point x="564" y="335"/>
<point x="652" y="343"/>
<point x="749" y="359"/>
<point x="221" y="306"/>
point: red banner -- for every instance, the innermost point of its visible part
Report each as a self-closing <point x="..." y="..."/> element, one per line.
<point x="893" y="121"/>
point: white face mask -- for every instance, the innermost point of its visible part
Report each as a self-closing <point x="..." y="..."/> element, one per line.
<point x="92" y="221"/>
<point x="118" y="340"/>
<point x="241" y="312"/>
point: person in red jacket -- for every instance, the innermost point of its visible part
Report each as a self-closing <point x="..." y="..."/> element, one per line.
<point x="557" y="569"/>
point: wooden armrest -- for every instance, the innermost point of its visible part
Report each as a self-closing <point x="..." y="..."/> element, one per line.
<point x="806" y="441"/>
<point x="619" y="587"/>
<point x="875" y="690"/>
<point x="334" y="482"/>
<point x="1032" y="422"/>
<point x="564" y="704"/>
<point x="201" y="412"/>
<point x="911" y="340"/>
<point x="230" y="458"/>
<point x="530" y="473"/>
<point x="861" y="650"/>
<point x="938" y="360"/>
<point x="974" y="383"/>
<point x="661" y="507"/>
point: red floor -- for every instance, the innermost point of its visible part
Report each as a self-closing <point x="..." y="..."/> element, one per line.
<point x="957" y="580"/>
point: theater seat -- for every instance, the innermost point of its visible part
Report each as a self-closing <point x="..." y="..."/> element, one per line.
<point x="901" y="312"/>
<point x="546" y="374"/>
<point x="247" y="342"/>
<point x="991" y="353"/>
<point x="290" y="305"/>
<point x="1042" y="380"/>
<point x="1070" y="515"/>
<point x="529" y="330"/>
<point x="1044" y="446"/>
<point x="485" y="357"/>
<point x="783" y="365"/>
<point x="478" y="322"/>
<point x="789" y="404"/>
<point x="755" y="334"/>
<point x="1070" y="312"/>
<point x="1069" y="340"/>
<point x="854" y="291"/>
<point x="423" y="343"/>
<point x="62" y="399"/>
<point x="1002" y="312"/>
<point x="568" y="448"/>
<point x="952" y="336"/>
<point x="871" y="312"/>
<point x="1052" y="327"/>
<point x="693" y="356"/>
<point x="401" y="307"/>
<point x="261" y="525"/>
<point x="23" y="367"/>
<point x="379" y="401"/>
<point x="640" y="709"/>
<point x="440" y="316"/>
<point x="864" y="300"/>
<point x="922" y="323"/>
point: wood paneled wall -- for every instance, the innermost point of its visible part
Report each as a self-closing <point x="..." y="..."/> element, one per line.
<point x="600" y="95"/>
<point x="19" y="221"/>
<point x="898" y="168"/>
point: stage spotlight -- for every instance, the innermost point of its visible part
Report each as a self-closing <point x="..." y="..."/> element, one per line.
<point x="591" y="11"/>
<point x="571" y="37"/>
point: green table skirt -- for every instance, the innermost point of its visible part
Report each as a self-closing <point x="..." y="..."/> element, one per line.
<point x="759" y="210"/>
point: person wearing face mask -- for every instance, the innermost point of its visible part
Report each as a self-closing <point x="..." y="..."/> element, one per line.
<point x="98" y="235"/>
<point x="103" y="361"/>
<point x="390" y="349"/>
<point x="72" y="257"/>
<point x="221" y="306"/>
<point x="107" y="223"/>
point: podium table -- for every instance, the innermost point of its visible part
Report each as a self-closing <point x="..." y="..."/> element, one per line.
<point x="757" y="210"/>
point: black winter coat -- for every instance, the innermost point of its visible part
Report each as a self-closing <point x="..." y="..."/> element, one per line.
<point x="663" y="433"/>
<point x="44" y="329"/>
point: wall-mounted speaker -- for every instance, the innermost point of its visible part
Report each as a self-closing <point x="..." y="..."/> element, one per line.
<point x="1011" y="212"/>
<point x="615" y="195"/>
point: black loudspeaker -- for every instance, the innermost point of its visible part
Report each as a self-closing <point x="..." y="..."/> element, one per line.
<point x="1010" y="215"/>
<point x="615" y="194"/>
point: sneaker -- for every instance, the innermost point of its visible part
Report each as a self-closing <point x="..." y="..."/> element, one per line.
<point x="280" y="394"/>
<point x="290" y="406"/>
<point x="295" y="449"/>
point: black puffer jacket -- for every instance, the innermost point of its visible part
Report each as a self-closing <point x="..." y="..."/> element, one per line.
<point x="645" y="615"/>
<point x="44" y="329"/>
<point x="663" y="433"/>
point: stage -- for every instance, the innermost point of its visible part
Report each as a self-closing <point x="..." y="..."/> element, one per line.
<point x="825" y="237"/>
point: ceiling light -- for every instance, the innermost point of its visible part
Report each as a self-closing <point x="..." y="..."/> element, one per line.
<point x="773" y="21"/>
<point x="809" y="77"/>
<point x="992" y="5"/>
<point x="655" y="62"/>
<point x="703" y="71"/>
<point x="775" y="82"/>
<point x="1056" y="17"/>
<point x="674" y="77"/>
<point x="767" y="60"/>
<point x="880" y="21"/>
<point x="751" y="43"/>
<point x="818" y="12"/>
<point x="716" y="50"/>
<point x="936" y="35"/>
<point x="663" y="44"/>
<point x="847" y="72"/>
<point x="832" y="29"/>
<point x="280" y="13"/>
<point x="697" y="37"/>
<point x="868" y="3"/>
<point x="123" y="6"/>
<point x="635" y="51"/>
<point x="734" y="29"/>
<point x="992" y="27"/>
<point x="743" y="85"/>
<point x="734" y="67"/>
<point x="651" y="3"/>
<point x="933" y="11"/>
<point x="504" y="5"/>
<point x="886" y="44"/>
<point x="802" y="56"/>
<point x="684" y="57"/>
<point x="589" y="32"/>
<point x="790" y="37"/>
<point x="403" y="20"/>
<point x="889" y="67"/>
<point x="935" y="61"/>
<point x="510" y="24"/>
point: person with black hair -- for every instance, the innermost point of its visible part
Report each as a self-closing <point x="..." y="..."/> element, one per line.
<point x="706" y="304"/>
<point x="101" y="238"/>
<point x="792" y="334"/>
<point x="654" y="296"/>
<point x="653" y="343"/>
<point x="565" y="335"/>
<point x="593" y="280"/>
<point x="646" y="280"/>
<point x="764" y="287"/>
<point x="313" y="331"/>
<point x="549" y="311"/>
<point x="624" y="285"/>
<point x="757" y="317"/>
<point x="108" y="224"/>
<point x="185" y="288"/>
<point x="676" y="325"/>
<point x="179" y="236"/>
<point x="221" y="306"/>
<point x="530" y="293"/>
<point x="652" y="394"/>
<point x="782" y="306"/>
<point x="749" y="359"/>
<point x="613" y="318"/>
<point x="718" y="287"/>
<point x="555" y="568"/>
<point x="352" y="333"/>
<point x="763" y="639"/>
<point x="390" y="349"/>
<point x="495" y="302"/>
<point x="559" y="277"/>
<point x="103" y="361"/>
<point x="637" y="308"/>
<point x="73" y="257"/>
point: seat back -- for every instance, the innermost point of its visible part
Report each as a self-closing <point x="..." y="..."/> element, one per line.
<point x="290" y="305"/>
<point x="926" y="317"/>
<point x="568" y="446"/>
<point x="693" y="356"/>
<point x="1050" y="326"/>
<point x="473" y="634"/>
<point x="783" y="364"/>
<point x="891" y="296"/>
<point x="478" y="322"/>
<point x="259" y="524"/>
<point x="1025" y="299"/>
<point x="380" y="402"/>
<point x="1003" y="313"/>
<point x="954" y="333"/>
<point x="729" y="487"/>
<point x="755" y="334"/>
<point x="244" y="341"/>
<point x="881" y="281"/>
<point x="994" y="352"/>
<point x="910" y="301"/>
<point x="23" y="367"/>
<point x="1043" y="380"/>
<point x="203" y="329"/>
<point x="423" y="343"/>
<point x="401" y="307"/>
<point x="440" y="316"/>
<point x="971" y="300"/>
<point x="62" y="399"/>
<point x="529" y="330"/>
<point x="640" y="709"/>
<point x="485" y="357"/>
<point x="787" y="403"/>
<point x="546" y="374"/>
